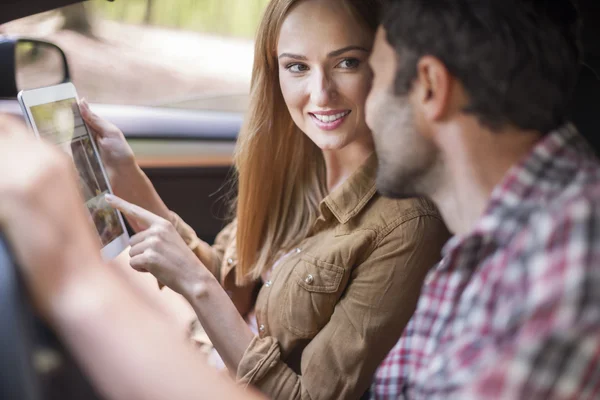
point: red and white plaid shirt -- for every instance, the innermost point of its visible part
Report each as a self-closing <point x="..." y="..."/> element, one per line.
<point x="513" y="309"/>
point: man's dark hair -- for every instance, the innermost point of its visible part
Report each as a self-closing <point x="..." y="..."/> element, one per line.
<point x="518" y="60"/>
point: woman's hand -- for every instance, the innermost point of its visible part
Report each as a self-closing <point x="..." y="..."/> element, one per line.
<point x="126" y="178"/>
<point x="160" y="250"/>
<point x="114" y="149"/>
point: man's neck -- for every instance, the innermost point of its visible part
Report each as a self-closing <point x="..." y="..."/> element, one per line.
<point x="476" y="161"/>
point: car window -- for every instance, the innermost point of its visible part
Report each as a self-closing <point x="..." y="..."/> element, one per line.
<point x="194" y="54"/>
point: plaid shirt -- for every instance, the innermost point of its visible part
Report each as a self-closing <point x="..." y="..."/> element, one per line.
<point x="513" y="309"/>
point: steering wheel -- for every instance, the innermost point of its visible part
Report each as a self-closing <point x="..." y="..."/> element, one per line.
<point x="34" y="365"/>
<point x="17" y="376"/>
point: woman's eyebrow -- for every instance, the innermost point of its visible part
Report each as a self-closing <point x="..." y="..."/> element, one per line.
<point x="334" y="53"/>
<point x="343" y="50"/>
<point x="290" y="55"/>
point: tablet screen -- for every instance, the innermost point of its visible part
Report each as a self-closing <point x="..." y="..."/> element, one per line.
<point x="60" y="123"/>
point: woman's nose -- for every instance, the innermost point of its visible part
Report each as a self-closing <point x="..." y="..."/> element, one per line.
<point x="323" y="89"/>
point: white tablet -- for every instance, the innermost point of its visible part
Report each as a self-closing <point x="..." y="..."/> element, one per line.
<point x="53" y="115"/>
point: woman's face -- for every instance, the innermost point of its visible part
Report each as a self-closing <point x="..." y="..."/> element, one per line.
<point x="323" y="72"/>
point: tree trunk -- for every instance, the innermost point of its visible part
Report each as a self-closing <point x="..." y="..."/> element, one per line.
<point x="77" y="18"/>
<point x="148" y="14"/>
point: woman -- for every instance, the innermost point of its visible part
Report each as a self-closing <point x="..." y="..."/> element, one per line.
<point x="338" y="268"/>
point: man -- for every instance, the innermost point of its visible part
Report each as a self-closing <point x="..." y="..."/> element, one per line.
<point x="468" y="108"/>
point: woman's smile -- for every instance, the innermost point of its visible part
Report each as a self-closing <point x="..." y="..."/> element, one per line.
<point x="329" y="120"/>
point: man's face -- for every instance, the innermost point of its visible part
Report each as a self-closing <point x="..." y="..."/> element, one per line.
<point x="406" y="158"/>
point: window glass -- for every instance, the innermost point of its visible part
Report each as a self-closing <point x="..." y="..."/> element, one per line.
<point x="193" y="54"/>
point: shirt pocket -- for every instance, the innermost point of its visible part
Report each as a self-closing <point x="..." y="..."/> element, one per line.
<point x="312" y="293"/>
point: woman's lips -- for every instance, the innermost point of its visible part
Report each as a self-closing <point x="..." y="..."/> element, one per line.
<point x="330" y="120"/>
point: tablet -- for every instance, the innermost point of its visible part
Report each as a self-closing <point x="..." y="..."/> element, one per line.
<point x="53" y="115"/>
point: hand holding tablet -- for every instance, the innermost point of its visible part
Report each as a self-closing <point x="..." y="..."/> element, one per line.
<point x="54" y="116"/>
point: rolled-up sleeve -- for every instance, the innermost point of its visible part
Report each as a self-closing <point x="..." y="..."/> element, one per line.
<point x="380" y="298"/>
<point x="212" y="257"/>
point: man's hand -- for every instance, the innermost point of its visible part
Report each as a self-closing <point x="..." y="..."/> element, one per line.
<point x="127" y="348"/>
<point x="42" y="213"/>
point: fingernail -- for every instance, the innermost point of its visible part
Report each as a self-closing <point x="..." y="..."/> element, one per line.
<point x="109" y="198"/>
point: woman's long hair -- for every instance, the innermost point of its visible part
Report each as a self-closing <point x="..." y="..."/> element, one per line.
<point x="280" y="172"/>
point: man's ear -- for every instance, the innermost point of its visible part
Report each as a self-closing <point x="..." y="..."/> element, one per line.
<point x="432" y="88"/>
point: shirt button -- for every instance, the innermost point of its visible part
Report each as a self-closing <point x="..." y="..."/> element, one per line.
<point x="268" y="283"/>
<point x="309" y="279"/>
<point x="261" y="328"/>
<point x="298" y="249"/>
<point x="230" y="261"/>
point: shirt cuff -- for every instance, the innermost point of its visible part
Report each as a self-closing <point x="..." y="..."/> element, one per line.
<point x="185" y="231"/>
<point x="260" y="357"/>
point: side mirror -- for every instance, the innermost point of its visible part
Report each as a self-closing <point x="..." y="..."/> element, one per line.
<point x="30" y="63"/>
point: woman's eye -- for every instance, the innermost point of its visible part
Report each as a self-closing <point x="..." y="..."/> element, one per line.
<point x="296" y="68"/>
<point x="349" y="63"/>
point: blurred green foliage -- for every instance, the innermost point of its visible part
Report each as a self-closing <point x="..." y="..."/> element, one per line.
<point x="223" y="17"/>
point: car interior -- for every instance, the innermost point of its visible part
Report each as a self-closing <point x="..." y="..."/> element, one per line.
<point x="187" y="154"/>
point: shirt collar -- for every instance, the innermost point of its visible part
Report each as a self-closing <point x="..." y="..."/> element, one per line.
<point x="350" y="197"/>
<point x="552" y="163"/>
